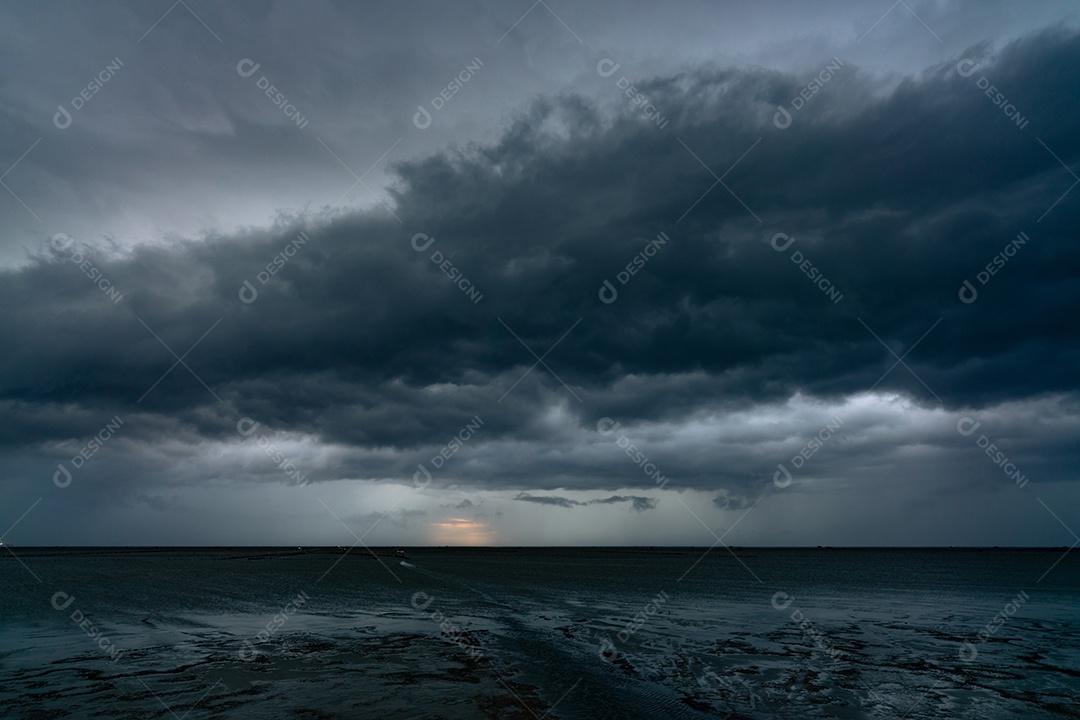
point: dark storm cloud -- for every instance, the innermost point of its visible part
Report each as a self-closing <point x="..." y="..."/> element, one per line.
<point x="547" y="500"/>
<point x="731" y="502"/>
<point x="637" y="503"/>
<point x="359" y="340"/>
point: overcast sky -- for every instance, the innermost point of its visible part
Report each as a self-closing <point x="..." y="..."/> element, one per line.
<point x="761" y="273"/>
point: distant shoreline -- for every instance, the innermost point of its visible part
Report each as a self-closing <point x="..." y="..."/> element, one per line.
<point x="388" y="551"/>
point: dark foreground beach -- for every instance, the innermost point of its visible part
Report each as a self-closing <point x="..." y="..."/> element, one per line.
<point x="522" y="633"/>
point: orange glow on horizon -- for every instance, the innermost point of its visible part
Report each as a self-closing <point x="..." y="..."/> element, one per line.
<point x="460" y="531"/>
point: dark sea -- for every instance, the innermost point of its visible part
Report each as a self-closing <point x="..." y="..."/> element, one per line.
<point x="539" y="633"/>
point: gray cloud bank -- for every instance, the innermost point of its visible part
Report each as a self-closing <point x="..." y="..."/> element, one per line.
<point x="357" y="342"/>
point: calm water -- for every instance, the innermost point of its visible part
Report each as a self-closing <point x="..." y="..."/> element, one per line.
<point x="576" y="633"/>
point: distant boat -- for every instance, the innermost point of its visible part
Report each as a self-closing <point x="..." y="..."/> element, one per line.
<point x="399" y="553"/>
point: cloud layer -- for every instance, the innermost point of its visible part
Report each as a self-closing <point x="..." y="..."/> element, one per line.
<point x="721" y="287"/>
